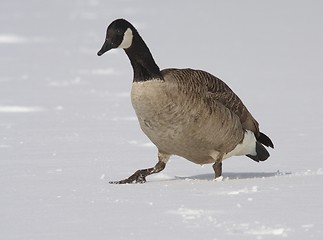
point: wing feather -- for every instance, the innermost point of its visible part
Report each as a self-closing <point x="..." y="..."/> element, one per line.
<point x="213" y="89"/>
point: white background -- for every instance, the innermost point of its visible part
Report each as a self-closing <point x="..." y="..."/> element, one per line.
<point x="67" y="126"/>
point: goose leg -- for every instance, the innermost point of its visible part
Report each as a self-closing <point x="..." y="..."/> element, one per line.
<point x="140" y="175"/>
<point x="217" y="167"/>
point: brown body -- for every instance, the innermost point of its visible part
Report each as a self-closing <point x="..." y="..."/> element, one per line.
<point x="191" y="113"/>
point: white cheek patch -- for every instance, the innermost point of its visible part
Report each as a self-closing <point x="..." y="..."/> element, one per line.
<point x="127" y="39"/>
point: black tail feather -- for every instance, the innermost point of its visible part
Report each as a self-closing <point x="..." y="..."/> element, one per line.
<point x="262" y="153"/>
<point x="265" y="140"/>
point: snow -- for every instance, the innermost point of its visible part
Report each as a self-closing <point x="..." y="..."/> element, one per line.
<point x="67" y="127"/>
<point x="5" y="38"/>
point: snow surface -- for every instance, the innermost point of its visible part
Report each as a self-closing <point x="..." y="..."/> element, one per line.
<point x="67" y="126"/>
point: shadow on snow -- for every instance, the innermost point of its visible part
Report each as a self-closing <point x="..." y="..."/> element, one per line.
<point x="236" y="175"/>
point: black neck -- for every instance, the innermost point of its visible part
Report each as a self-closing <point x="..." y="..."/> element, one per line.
<point x="143" y="64"/>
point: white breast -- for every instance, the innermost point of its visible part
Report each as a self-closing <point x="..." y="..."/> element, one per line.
<point x="146" y="96"/>
<point x="155" y="113"/>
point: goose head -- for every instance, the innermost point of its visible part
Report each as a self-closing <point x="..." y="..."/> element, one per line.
<point x="119" y="35"/>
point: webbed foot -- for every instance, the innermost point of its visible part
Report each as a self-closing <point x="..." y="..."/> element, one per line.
<point x="137" y="177"/>
<point x="140" y="175"/>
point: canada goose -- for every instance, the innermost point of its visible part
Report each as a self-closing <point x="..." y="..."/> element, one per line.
<point x="185" y="112"/>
